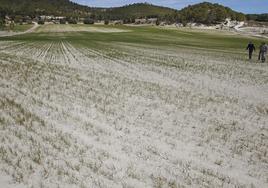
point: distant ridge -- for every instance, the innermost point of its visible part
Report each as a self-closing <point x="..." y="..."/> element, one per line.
<point x="56" y="7"/>
<point x="209" y="13"/>
<point x="137" y="10"/>
<point x="200" y="13"/>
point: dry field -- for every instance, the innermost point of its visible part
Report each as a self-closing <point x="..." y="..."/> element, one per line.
<point x="124" y="114"/>
<point x="255" y="31"/>
<point x="58" y="28"/>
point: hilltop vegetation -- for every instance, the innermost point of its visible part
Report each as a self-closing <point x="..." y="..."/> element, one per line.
<point x="205" y="13"/>
<point x="258" y="17"/>
<point x="45" y="7"/>
<point x="208" y="13"/>
<point x="137" y="10"/>
<point x="68" y="8"/>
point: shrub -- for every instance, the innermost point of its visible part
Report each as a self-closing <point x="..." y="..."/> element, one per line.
<point x="126" y="21"/>
<point x="157" y="22"/>
<point x="2" y="23"/>
<point x="72" y="21"/>
<point x="41" y="22"/>
<point x="62" y="21"/>
<point x="106" y="22"/>
<point x="88" y="21"/>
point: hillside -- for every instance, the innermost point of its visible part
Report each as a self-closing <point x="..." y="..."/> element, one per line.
<point x="30" y="7"/>
<point x="66" y="7"/>
<point x="258" y="17"/>
<point x="137" y="10"/>
<point x="208" y="13"/>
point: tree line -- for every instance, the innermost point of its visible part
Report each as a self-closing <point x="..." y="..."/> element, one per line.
<point x="208" y="13"/>
<point x="205" y="13"/>
<point x="258" y="17"/>
<point x="2" y="18"/>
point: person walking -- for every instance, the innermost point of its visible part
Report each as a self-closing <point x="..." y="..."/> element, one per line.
<point x="263" y="52"/>
<point x="251" y="48"/>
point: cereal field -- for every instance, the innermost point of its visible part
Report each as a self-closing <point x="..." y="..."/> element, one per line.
<point x="144" y="107"/>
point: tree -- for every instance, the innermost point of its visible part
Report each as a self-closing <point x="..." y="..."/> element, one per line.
<point x="88" y="21"/>
<point x="221" y="15"/>
<point x="212" y="17"/>
<point x="257" y="17"/>
<point x="18" y="19"/>
<point x="240" y="17"/>
<point x="62" y="21"/>
<point x="2" y="23"/>
<point x="93" y="16"/>
<point x="41" y="22"/>
<point x="2" y="19"/>
<point x="106" y="22"/>
<point x="126" y="21"/>
<point x="208" y="13"/>
<point x="157" y="22"/>
<point x="99" y="17"/>
<point x="72" y="21"/>
<point x="11" y="26"/>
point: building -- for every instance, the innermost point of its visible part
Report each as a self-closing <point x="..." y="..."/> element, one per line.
<point x="117" y="22"/>
<point x="140" y="21"/>
<point x="152" y="20"/>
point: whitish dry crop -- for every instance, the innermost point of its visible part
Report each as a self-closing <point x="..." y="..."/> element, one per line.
<point x="126" y="115"/>
<point x="77" y="28"/>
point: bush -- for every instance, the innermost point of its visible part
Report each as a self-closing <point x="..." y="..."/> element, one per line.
<point x="106" y="22"/>
<point x="18" y="19"/>
<point x="2" y="23"/>
<point x="88" y="21"/>
<point x="62" y="21"/>
<point x="157" y="22"/>
<point x="72" y="21"/>
<point x="184" y="23"/>
<point x="126" y="21"/>
<point x="41" y="22"/>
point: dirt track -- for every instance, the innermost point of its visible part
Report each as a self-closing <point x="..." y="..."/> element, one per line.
<point x="8" y="34"/>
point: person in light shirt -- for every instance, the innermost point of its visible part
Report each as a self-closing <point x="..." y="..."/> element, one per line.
<point x="263" y="52"/>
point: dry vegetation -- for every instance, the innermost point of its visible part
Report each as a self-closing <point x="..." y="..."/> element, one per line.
<point x="129" y="115"/>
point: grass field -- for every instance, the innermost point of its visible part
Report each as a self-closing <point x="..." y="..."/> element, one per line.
<point x="139" y="107"/>
<point x="21" y="28"/>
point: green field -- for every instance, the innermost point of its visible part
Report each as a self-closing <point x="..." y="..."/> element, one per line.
<point x="174" y="38"/>
<point x="20" y="28"/>
<point x="118" y="106"/>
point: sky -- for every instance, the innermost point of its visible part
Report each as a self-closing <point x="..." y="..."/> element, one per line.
<point x="245" y="6"/>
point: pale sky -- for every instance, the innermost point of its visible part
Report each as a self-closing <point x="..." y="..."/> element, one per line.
<point x="245" y="6"/>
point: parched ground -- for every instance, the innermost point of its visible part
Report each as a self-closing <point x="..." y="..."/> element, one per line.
<point x="255" y="31"/>
<point x="120" y="114"/>
<point x="19" y="30"/>
<point x="59" y="28"/>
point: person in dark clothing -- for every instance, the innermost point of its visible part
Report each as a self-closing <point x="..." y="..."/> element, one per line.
<point x="251" y="48"/>
<point x="259" y="58"/>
